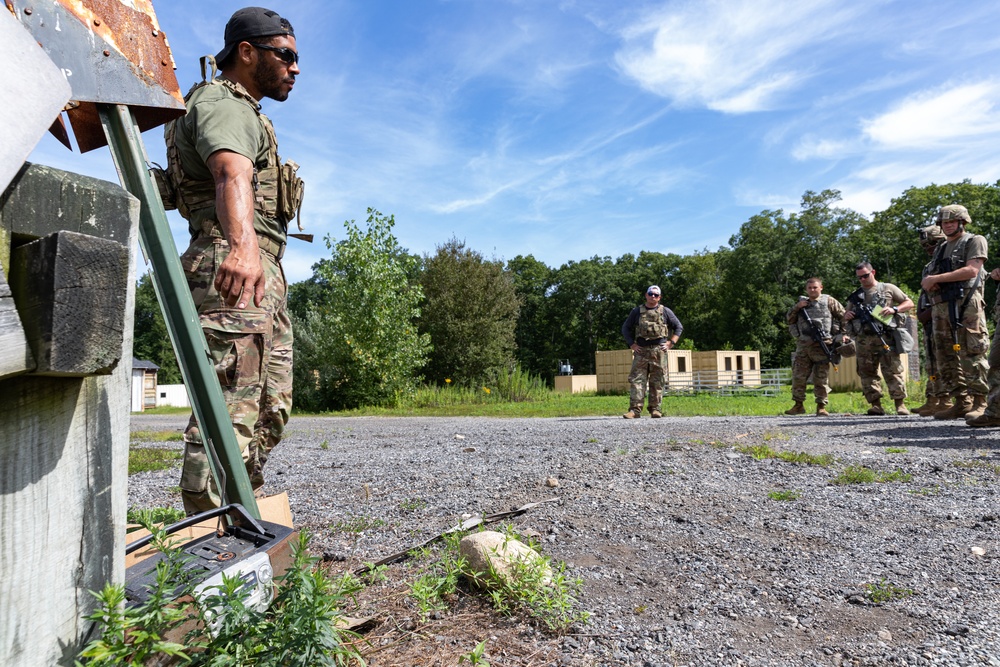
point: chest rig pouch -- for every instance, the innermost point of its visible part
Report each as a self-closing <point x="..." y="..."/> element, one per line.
<point x="650" y="325"/>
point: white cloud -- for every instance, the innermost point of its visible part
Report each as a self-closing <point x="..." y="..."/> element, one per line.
<point x="812" y="147"/>
<point x="735" y="56"/>
<point x="936" y="118"/>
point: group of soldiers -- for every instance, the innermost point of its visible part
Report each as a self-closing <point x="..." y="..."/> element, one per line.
<point x="962" y="381"/>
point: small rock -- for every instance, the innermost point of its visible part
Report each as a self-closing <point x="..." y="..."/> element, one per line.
<point x="957" y="630"/>
<point x="551" y="482"/>
<point x="979" y="551"/>
<point x="885" y="635"/>
<point x="469" y="450"/>
<point x="459" y="437"/>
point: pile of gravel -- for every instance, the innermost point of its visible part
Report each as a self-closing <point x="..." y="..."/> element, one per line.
<point x="685" y="558"/>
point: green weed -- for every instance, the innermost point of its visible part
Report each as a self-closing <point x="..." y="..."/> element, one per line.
<point x="895" y="450"/>
<point x="785" y="495"/>
<point x="325" y="444"/>
<point x="148" y="459"/>
<point x="299" y="629"/>
<point x="775" y="435"/>
<point x="153" y="515"/>
<point x="978" y="464"/>
<point x="926" y="491"/>
<point x="865" y="475"/>
<point x="358" y="524"/>
<point x="761" y="452"/>
<point x="883" y="591"/>
<point x="412" y="504"/>
<point x="475" y="656"/>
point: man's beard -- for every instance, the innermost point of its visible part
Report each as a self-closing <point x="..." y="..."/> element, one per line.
<point x="269" y="81"/>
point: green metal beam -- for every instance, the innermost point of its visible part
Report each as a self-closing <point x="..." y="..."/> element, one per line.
<point x="179" y="311"/>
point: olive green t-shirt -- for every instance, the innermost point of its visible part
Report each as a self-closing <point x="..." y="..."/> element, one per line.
<point x="217" y="119"/>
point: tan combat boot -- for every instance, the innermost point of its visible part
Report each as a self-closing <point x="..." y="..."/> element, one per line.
<point x="655" y="414"/>
<point x="935" y="404"/>
<point x="961" y="408"/>
<point x="984" y="419"/>
<point x="901" y="407"/>
<point x="797" y="409"/>
<point x="876" y="409"/>
<point x="821" y="410"/>
<point x="931" y="401"/>
<point x="978" y="407"/>
<point x="632" y="414"/>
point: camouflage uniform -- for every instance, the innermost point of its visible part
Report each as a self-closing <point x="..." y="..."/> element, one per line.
<point x="809" y="356"/>
<point x="649" y="328"/>
<point x="961" y="372"/>
<point x="252" y="352"/>
<point x="872" y="354"/>
<point x="935" y="386"/>
<point x="250" y="347"/>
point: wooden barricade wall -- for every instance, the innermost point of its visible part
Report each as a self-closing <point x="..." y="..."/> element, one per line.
<point x="846" y="377"/>
<point x="729" y="367"/>
<point x="613" y="367"/>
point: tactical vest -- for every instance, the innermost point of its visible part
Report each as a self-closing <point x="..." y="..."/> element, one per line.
<point x="880" y="296"/>
<point x="278" y="191"/>
<point x="650" y="325"/>
<point x="957" y="260"/>
<point x="819" y="313"/>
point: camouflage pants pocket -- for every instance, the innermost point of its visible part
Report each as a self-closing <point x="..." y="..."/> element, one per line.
<point x="236" y="343"/>
<point x="977" y="342"/>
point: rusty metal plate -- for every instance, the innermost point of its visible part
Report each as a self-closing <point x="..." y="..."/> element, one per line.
<point x="34" y="92"/>
<point x="112" y="52"/>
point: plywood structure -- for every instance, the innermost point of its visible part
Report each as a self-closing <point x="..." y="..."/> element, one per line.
<point x="613" y="367"/>
<point x="718" y="368"/>
<point x="574" y="384"/>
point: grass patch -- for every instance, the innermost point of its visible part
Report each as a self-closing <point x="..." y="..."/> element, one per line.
<point x="895" y="450"/>
<point x="974" y="464"/>
<point x="761" y="452"/>
<point x="536" y="587"/>
<point x="785" y="495"/>
<point x="926" y="491"/>
<point x="358" y="524"/>
<point x="882" y="591"/>
<point x="458" y="402"/>
<point x="154" y="515"/>
<point x="866" y="475"/>
<point x="775" y="435"/>
<point x="413" y="504"/>
<point x="147" y="459"/>
<point x="156" y="436"/>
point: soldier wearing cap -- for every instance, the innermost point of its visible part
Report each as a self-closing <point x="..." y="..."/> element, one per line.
<point x="226" y="179"/>
<point x="649" y="330"/>
<point x="872" y="353"/>
<point x="958" y="314"/>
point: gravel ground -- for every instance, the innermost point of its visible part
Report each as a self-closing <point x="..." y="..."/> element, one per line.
<point x="684" y="557"/>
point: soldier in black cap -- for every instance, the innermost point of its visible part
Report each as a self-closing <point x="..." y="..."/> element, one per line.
<point x="238" y="197"/>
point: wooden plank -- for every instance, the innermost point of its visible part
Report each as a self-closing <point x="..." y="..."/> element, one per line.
<point x="70" y="290"/>
<point x="15" y="355"/>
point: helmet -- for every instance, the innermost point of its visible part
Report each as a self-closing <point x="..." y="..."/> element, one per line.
<point x="954" y="212"/>
<point x="930" y="236"/>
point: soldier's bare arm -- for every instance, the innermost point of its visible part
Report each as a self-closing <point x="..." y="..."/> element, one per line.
<point x="240" y="275"/>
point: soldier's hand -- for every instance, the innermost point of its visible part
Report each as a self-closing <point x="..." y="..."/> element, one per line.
<point x="634" y="347"/>
<point x="995" y="274"/>
<point x="848" y="316"/>
<point x="929" y="284"/>
<point x="241" y="277"/>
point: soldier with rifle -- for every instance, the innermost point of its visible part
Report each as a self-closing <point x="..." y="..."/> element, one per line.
<point x="937" y="396"/>
<point x="813" y="322"/>
<point x="958" y="314"/>
<point x="877" y="347"/>
<point x="991" y="415"/>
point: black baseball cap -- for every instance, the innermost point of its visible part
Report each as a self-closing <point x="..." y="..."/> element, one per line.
<point x="251" y="22"/>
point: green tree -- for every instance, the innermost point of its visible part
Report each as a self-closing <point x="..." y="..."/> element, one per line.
<point x="151" y="342"/>
<point x="535" y="332"/>
<point x="356" y="341"/>
<point x="470" y="313"/>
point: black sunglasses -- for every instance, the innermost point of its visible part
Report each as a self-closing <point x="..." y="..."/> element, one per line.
<point x="864" y="275"/>
<point x="652" y="294"/>
<point x="285" y="53"/>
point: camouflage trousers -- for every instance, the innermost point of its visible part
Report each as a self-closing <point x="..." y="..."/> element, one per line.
<point x="993" y="376"/>
<point x="809" y="358"/>
<point x="872" y="355"/>
<point x="964" y="370"/>
<point x="252" y="353"/>
<point x="934" y="387"/>
<point x="649" y="365"/>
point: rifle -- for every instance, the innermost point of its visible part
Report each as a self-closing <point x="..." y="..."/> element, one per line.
<point x="820" y="337"/>
<point x="953" y="293"/>
<point x="865" y="314"/>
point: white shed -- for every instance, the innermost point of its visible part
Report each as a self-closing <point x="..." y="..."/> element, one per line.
<point x="143" y="384"/>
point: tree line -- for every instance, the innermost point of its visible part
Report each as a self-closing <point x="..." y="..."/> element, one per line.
<point x="374" y="321"/>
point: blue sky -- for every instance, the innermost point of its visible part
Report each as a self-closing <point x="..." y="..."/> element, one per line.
<point x="569" y="129"/>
